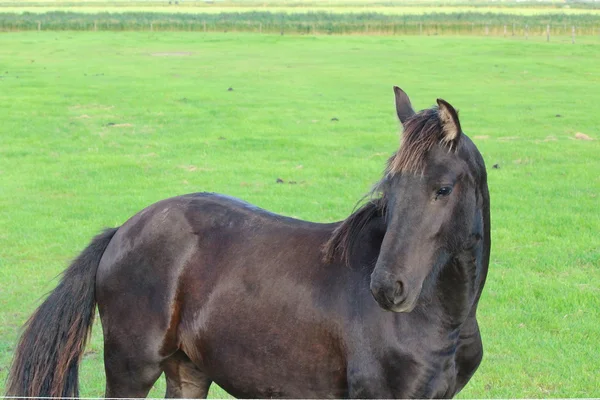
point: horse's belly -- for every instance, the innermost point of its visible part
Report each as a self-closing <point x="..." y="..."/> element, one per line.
<point x="267" y="345"/>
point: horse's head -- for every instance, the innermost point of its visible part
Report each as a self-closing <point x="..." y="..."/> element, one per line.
<point x="435" y="193"/>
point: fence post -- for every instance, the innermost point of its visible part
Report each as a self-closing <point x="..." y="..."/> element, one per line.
<point x="526" y="32"/>
<point x="95" y="26"/>
<point x="504" y="30"/>
<point x="204" y="25"/>
<point x="260" y="28"/>
<point x="151" y="26"/>
<point x="487" y="30"/>
<point x="420" y="28"/>
<point x="39" y="26"/>
<point x="573" y="34"/>
<point x="513" y="31"/>
<point x="547" y="33"/>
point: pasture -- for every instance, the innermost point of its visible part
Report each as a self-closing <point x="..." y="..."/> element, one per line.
<point x="98" y="125"/>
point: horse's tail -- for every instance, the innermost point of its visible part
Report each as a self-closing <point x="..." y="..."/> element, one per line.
<point x="46" y="361"/>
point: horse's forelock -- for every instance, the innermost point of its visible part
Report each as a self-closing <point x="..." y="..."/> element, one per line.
<point x="421" y="133"/>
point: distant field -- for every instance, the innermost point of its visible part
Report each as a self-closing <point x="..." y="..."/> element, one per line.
<point x="417" y="17"/>
<point x="217" y="8"/>
<point x="304" y="3"/>
<point x="312" y="23"/>
<point x="97" y="125"/>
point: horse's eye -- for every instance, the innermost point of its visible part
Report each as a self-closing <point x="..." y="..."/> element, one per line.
<point x="445" y="191"/>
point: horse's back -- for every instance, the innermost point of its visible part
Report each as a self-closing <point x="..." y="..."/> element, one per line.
<point x="170" y="230"/>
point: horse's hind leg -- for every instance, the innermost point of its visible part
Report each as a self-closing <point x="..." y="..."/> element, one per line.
<point x="184" y="379"/>
<point x="129" y="373"/>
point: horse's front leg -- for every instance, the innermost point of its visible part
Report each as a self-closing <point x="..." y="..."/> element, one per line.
<point x="394" y="375"/>
<point x="367" y="381"/>
<point x="468" y="354"/>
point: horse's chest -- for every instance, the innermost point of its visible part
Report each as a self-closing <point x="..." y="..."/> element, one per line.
<point x="421" y="371"/>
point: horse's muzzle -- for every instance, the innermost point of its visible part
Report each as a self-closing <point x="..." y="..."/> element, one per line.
<point x="391" y="293"/>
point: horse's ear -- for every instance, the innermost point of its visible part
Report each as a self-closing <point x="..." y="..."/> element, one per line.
<point x="403" y="107"/>
<point x="450" y="124"/>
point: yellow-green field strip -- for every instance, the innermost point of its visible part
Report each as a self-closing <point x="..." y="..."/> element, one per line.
<point x="207" y="9"/>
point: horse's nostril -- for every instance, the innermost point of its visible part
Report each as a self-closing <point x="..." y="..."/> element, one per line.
<point x="398" y="292"/>
<point x="399" y="288"/>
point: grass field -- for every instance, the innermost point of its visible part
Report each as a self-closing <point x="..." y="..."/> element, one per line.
<point x="97" y="125"/>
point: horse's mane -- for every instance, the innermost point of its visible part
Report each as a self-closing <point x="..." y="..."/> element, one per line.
<point x="422" y="131"/>
<point x="344" y="237"/>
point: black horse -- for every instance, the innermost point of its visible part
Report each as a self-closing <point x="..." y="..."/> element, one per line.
<point x="207" y="288"/>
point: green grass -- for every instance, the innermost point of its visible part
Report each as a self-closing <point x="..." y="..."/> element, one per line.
<point x="95" y="126"/>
